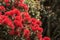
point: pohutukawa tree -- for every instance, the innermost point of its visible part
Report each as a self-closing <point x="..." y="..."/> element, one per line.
<point x="15" y="17"/>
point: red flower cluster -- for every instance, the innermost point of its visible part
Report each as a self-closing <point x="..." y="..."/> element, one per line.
<point x="2" y="8"/>
<point x="24" y="6"/>
<point x="5" y="20"/>
<point x="26" y="33"/>
<point x="21" y="1"/>
<point x="19" y="21"/>
<point x="46" y="38"/>
<point x="6" y="1"/>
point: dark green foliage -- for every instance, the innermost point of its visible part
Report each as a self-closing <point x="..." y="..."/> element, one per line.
<point x="51" y="18"/>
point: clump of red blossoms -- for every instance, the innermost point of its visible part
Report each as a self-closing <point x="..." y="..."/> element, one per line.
<point x="20" y="23"/>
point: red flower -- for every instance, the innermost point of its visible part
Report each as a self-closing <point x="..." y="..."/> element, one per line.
<point x="12" y="32"/>
<point x="38" y="22"/>
<point x="23" y="6"/>
<point x="2" y="18"/>
<point x="27" y="19"/>
<point x="40" y="29"/>
<point x="17" y="33"/>
<point x="6" y="1"/>
<point x="13" y="7"/>
<point x="26" y="16"/>
<point x="0" y="13"/>
<point x="21" y="1"/>
<point x="2" y="8"/>
<point x="18" y="24"/>
<point x="19" y="18"/>
<point x="39" y="36"/>
<point x="16" y="12"/>
<point x="9" y="23"/>
<point x="33" y="28"/>
<point x="13" y="12"/>
<point x="26" y="33"/>
<point x="7" y="4"/>
<point x="0" y="21"/>
<point x="26" y="7"/>
<point x="46" y="38"/>
<point x="8" y="13"/>
<point x="16" y="2"/>
<point x="28" y="39"/>
<point x="33" y="20"/>
<point x="6" y="20"/>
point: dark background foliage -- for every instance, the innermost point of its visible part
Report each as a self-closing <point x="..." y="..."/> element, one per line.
<point x="51" y="18"/>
